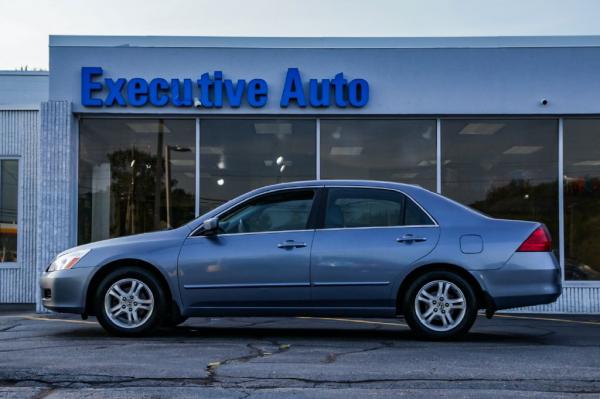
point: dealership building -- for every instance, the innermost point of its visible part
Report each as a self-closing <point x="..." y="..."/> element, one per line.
<point x="126" y="135"/>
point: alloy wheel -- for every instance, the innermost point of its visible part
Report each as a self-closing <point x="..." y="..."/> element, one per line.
<point x="440" y="305"/>
<point x="129" y="303"/>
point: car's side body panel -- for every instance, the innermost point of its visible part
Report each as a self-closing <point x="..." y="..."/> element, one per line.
<point x="246" y="270"/>
<point x="357" y="267"/>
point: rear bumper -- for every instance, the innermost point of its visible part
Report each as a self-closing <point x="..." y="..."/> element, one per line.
<point x="65" y="290"/>
<point x="524" y="300"/>
<point x="527" y="279"/>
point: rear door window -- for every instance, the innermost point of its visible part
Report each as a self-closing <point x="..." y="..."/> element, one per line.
<point x="369" y="207"/>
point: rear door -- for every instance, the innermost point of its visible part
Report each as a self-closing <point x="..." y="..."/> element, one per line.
<point x="368" y="236"/>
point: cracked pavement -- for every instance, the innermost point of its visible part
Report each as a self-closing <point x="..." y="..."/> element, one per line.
<point x="517" y="356"/>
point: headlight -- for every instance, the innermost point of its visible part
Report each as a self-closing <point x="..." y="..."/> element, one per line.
<point x="68" y="260"/>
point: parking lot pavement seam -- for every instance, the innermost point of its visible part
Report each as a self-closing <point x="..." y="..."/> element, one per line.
<point x="519" y="384"/>
<point x="59" y="320"/>
<point x="35" y="348"/>
<point x="98" y="380"/>
<point x="360" y="321"/>
<point x="255" y="353"/>
<point x="243" y="382"/>
<point x="332" y="357"/>
<point x="4" y="329"/>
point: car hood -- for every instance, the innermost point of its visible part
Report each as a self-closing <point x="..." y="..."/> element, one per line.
<point x="144" y="237"/>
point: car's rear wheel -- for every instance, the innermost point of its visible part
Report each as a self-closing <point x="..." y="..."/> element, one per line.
<point x="440" y="305"/>
<point x="129" y="301"/>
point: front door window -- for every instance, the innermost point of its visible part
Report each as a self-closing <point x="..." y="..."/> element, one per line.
<point x="272" y="212"/>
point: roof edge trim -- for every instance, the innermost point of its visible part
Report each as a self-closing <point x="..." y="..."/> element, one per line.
<point x="323" y="42"/>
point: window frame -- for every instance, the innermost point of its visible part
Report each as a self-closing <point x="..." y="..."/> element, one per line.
<point x="323" y="205"/>
<point x="562" y="209"/>
<point x="17" y="264"/>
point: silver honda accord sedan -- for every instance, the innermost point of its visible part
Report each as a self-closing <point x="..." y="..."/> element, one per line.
<point x="313" y="248"/>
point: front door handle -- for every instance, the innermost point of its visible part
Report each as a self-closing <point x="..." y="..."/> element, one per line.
<point x="409" y="238"/>
<point x="289" y="244"/>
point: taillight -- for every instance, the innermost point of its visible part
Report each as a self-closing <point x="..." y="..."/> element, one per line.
<point x="538" y="241"/>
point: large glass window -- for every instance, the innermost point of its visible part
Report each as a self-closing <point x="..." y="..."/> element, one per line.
<point x="383" y="149"/>
<point x="506" y="168"/>
<point x="9" y="209"/>
<point x="238" y="155"/>
<point x="581" y="147"/>
<point x="135" y="175"/>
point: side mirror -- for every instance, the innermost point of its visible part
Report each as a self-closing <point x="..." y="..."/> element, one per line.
<point x="210" y="226"/>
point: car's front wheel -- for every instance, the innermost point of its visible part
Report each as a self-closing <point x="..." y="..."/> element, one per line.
<point x="129" y="301"/>
<point x="440" y="305"/>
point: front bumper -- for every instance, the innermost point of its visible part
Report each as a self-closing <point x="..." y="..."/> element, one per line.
<point x="65" y="290"/>
<point x="527" y="279"/>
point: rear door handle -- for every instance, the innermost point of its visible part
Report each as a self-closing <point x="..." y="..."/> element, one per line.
<point x="409" y="238"/>
<point x="289" y="244"/>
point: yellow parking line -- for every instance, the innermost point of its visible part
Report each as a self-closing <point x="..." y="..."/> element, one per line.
<point x="63" y="320"/>
<point x="355" y="321"/>
<point x="548" y="319"/>
<point x="316" y="318"/>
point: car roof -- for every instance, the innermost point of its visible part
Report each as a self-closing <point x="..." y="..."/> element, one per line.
<point x="330" y="183"/>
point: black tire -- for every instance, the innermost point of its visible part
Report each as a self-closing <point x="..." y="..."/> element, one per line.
<point x="424" y="331"/>
<point x="156" y="316"/>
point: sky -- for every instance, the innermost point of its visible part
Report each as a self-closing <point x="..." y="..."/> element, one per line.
<point x="26" y="24"/>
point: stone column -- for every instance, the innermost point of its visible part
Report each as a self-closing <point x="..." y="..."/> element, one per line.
<point x="56" y="185"/>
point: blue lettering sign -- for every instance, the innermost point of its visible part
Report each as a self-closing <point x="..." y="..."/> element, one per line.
<point x="216" y="91"/>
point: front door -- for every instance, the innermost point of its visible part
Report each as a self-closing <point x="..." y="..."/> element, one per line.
<point x="259" y="258"/>
<point x="369" y="237"/>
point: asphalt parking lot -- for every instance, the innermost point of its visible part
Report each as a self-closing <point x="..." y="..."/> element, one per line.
<point x="517" y="356"/>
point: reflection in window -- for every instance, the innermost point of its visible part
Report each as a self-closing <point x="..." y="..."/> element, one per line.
<point x="9" y="194"/>
<point x="135" y="176"/>
<point x="582" y="199"/>
<point x="504" y="168"/>
<point x="384" y="149"/>
<point x="238" y="155"/>
<point x="276" y="212"/>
